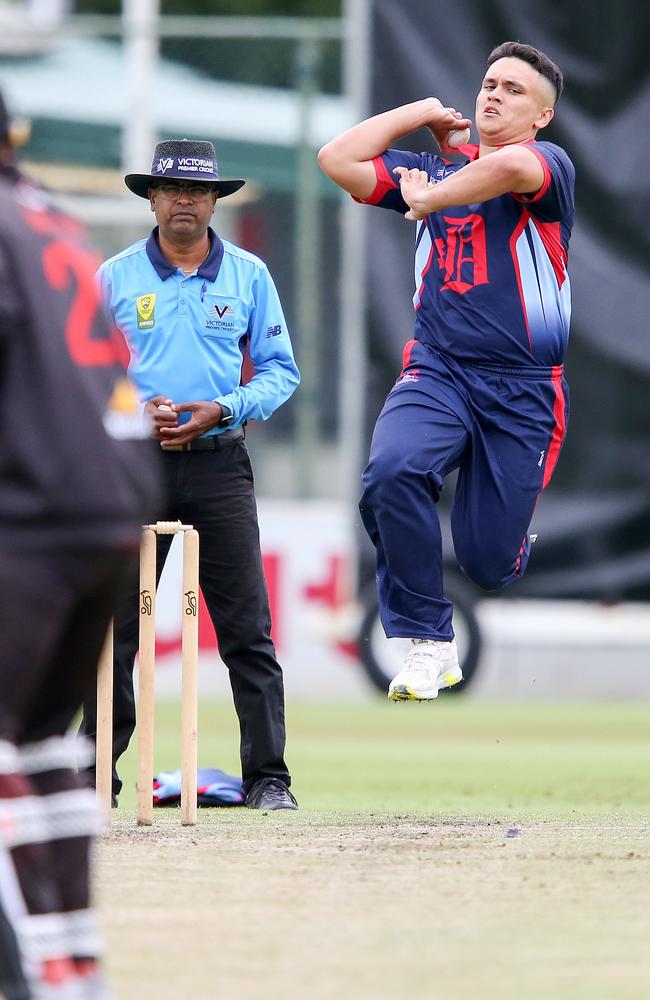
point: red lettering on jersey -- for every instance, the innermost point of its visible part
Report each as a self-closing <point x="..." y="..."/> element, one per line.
<point x="64" y="263"/>
<point x="48" y="223"/>
<point x="441" y="247"/>
<point x="462" y="254"/>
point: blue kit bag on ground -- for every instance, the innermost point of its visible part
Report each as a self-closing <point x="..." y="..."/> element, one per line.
<point x="214" y="788"/>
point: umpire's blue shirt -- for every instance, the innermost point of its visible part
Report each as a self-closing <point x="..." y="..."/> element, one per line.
<point x="188" y="334"/>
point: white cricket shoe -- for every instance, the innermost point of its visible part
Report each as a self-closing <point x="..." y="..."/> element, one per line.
<point x="430" y="665"/>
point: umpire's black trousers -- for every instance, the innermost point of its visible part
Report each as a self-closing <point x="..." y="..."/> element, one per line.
<point x="213" y="490"/>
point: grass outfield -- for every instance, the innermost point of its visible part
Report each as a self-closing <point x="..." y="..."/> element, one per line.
<point x="453" y="756"/>
<point x="449" y="851"/>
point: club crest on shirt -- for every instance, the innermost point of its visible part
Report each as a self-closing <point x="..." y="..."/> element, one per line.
<point x="123" y="398"/>
<point x="122" y="418"/>
<point x="145" y="310"/>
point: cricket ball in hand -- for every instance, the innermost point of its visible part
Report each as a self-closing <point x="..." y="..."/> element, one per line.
<point x="458" y="137"/>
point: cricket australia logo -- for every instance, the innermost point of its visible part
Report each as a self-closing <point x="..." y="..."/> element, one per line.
<point x="164" y="165"/>
<point x="145" y="311"/>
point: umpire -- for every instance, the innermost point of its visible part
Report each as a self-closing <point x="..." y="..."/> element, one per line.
<point x="191" y="305"/>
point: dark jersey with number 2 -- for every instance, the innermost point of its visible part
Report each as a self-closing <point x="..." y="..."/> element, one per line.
<point x="76" y="462"/>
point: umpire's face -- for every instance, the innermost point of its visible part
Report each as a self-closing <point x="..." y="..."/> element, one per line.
<point x="183" y="210"/>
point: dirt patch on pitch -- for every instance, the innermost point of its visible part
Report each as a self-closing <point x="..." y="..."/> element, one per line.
<point x="322" y="906"/>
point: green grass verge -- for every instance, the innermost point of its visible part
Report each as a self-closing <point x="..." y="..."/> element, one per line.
<point x="454" y="757"/>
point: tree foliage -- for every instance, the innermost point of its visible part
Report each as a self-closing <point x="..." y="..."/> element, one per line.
<point x="256" y="61"/>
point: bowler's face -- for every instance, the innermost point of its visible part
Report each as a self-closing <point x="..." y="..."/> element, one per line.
<point x="513" y="102"/>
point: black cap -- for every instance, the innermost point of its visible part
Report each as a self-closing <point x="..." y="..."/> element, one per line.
<point x="183" y="159"/>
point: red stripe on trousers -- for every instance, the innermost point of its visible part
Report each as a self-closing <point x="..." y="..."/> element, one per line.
<point x="559" y="412"/>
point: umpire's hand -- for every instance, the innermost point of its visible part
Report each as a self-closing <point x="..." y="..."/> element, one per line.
<point x="204" y="416"/>
<point x="158" y="411"/>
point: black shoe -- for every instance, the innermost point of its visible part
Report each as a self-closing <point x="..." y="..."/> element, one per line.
<point x="270" y="793"/>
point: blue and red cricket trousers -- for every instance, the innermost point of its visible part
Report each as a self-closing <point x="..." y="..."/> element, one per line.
<point x="502" y="429"/>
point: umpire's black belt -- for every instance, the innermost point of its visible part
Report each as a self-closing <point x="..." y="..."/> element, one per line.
<point x="211" y="443"/>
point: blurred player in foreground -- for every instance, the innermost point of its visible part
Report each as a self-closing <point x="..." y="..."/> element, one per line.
<point x="482" y="388"/>
<point x="79" y="476"/>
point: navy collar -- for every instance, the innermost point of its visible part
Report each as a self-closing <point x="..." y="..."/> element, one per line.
<point x="209" y="269"/>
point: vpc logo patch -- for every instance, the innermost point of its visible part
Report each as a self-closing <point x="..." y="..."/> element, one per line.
<point x="221" y="311"/>
<point x="145" y="309"/>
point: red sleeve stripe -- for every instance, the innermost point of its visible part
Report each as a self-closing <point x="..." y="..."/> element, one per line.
<point x="547" y="178"/>
<point x="384" y="183"/>
<point x="406" y="353"/>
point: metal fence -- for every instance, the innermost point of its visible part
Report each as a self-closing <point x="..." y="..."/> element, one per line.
<point x="100" y="91"/>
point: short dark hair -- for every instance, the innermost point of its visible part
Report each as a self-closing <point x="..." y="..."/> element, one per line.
<point x="535" y="58"/>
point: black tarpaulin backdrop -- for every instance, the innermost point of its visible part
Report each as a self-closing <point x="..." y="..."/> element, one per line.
<point x="420" y="48"/>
